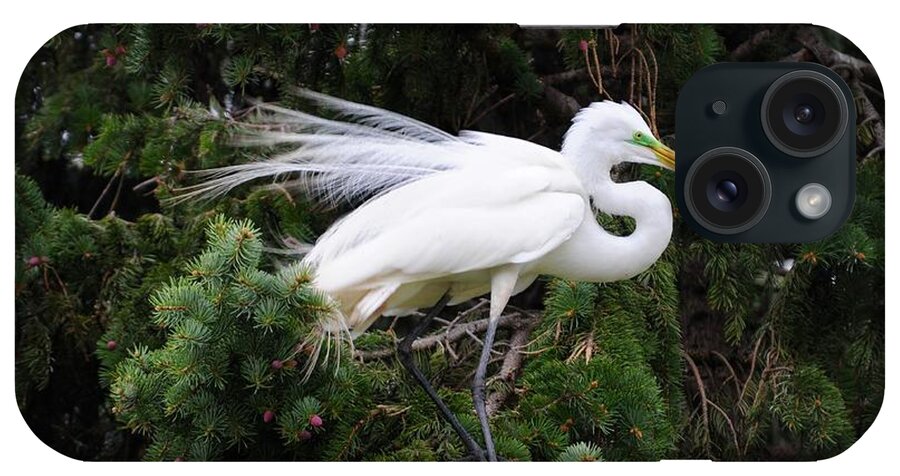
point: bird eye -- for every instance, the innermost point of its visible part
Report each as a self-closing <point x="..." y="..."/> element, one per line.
<point x="638" y="135"/>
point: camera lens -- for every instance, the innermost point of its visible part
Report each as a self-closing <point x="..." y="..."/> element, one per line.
<point x="804" y="113"/>
<point x="727" y="190"/>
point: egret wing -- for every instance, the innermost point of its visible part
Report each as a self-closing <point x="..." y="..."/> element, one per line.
<point x="453" y="223"/>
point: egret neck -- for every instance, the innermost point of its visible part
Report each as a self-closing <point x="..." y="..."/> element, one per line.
<point x="590" y="254"/>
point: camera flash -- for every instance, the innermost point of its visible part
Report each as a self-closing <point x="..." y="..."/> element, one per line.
<point x="813" y="201"/>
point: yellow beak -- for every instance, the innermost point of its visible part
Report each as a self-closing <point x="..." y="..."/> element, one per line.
<point x="665" y="155"/>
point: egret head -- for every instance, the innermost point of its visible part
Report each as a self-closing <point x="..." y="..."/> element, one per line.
<point x="607" y="133"/>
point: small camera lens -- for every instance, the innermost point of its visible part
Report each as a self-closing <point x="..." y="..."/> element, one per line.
<point x="727" y="190"/>
<point x="804" y="113"/>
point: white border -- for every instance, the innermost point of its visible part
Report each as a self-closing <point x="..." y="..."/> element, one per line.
<point x="29" y="24"/>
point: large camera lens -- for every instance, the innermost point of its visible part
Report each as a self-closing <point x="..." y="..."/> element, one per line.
<point x="727" y="190"/>
<point x="804" y="113"/>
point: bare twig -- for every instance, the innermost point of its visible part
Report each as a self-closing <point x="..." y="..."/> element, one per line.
<point x="537" y="134"/>
<point x="872" y="90"/>
<point x="753" y="356"/>
<point x="800" y="55"/>
<point x="631" y="83"/>
<point x="879" y="149"/>
<point x="703" y="400"/>
<point x="652" y="91"/>
<point x="584" y="346"/>
<point x="613" y="42"/>
<point x="747" y="48"/>
<point x="497" y="104"/>
<point x="565" y="77"/>
<point x="523" y="311"/>
<point x="59" y="280"/>
<point x="830" y="57"/>
<point x="598" y="68"/>
<point x="639" y="89"/>
<point x="471" y="109"/>
<point x="512" y="365"/>
<point x="651" y="76"/>
<point x="730" y="425"/>
<point x="511" y="321"/>
<point x="148" y="184"/>
<point x="590" y="69"/>
<point x="115" y="200"/>
<point x="869" y="114"/>
<point x="481" y="304"/>
<point x="106" y="189"/>
<point x="757" y="397"/>
<point x="378" y="411"/>
<point x="860" y="72"/>
<point x="560" y="104"/>
<point x="737" y="381"/>
<point x="761" y="387"/>
<point x="474" y="337"/>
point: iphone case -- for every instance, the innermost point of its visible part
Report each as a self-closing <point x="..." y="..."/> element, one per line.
<point x="167" y="313"/>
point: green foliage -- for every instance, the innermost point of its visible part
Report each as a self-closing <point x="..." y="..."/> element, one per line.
<point x="77" y="279"/>
<point x="810" y="406"/>
<point x="32" y="212"/>
<point x="595" y="378"/>
<point x="205" y="389"/>
<point x="680" y="51"/>
<point x="584" y="452"/>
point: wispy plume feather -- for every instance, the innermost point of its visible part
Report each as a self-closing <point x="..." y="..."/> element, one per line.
<point x="360" y="153"/>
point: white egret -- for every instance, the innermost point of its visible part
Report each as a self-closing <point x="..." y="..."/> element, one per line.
<point x="448" y="218"/>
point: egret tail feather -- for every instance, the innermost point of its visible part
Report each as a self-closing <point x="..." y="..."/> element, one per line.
<point x="363" y="152"/>
<point x="329" y="332"/>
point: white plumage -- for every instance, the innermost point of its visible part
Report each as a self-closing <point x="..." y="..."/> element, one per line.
<point x="460" y="215"/>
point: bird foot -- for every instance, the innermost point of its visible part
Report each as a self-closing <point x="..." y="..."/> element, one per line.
<point x="477" y="455"/>
<point x="480" y="456"/>
<point x="474" y="457"/>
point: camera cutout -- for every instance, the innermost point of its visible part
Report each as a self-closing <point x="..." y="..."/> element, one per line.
<point x="804" y="113"/>
<point x="728" y="190"/>
<point x="745" y="176"/>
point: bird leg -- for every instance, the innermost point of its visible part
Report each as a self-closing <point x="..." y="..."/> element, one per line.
<point x="478" y="389"/>
<point x="502" y="284"/>
<point x="404" y="351"/>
